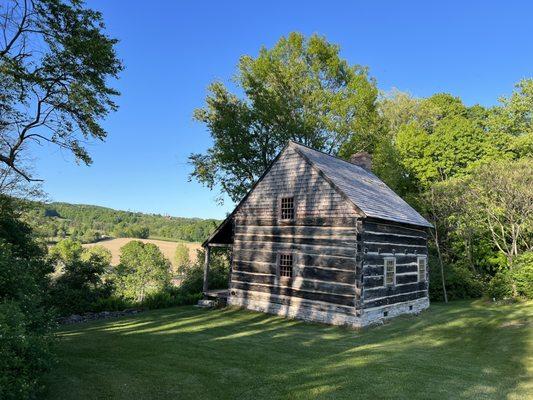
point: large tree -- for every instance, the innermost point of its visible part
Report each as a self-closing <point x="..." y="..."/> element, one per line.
<point x="56" y="62"/>
<point x="300" y="89"/>
<point x="143" y="269"/>
<point x="501" y="198"/>
<point x="514" y="114"/>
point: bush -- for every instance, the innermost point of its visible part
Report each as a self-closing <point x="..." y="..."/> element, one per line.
<point x="190" y="290"/>
<point x="523" y="275"/>
<point x="81" y="285"/>
<point x="170" y="297"/>
<point x="25" y="353"/>
<point x="135" y="231"/>
<point x="461" y="283"/>
<point x="500" y="286"/>
<point x="112" y="303"/>
<point x="25" y="322"/>
<point x="181" y="258"/>
<point x="218" y="272"/>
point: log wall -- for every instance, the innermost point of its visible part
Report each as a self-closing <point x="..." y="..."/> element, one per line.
<point x="380" y="240"/>
<point x="322" y="239"/>
<point x="338" y="257"/>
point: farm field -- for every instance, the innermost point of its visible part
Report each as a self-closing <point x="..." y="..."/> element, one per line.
<point x="167" y="248"/>
<point x="463" y="350"/>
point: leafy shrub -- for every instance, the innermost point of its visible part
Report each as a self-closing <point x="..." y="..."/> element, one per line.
<point x="461" y="283"/>
<point x="190" y="290"/>
<point x="90" y="236"/>
<point x="500" y="286"/>
<point x="181" y="258"/>
<point x="523" y="275"/>
<point x="25" y="322"/>
<point x="170" y="297"/>
<point x="81" y="285"/>
<point x="218" y="272"/>
<point x="112" y="303"/>
<point x="25" y="353"/>
<point x="134" y="231"/>
<point x="51" y="212"/>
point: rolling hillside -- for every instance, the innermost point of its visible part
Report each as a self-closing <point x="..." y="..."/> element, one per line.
<point x="89" y="223"/>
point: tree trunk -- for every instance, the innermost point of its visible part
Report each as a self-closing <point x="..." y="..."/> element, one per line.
<point x="468" y="249"/>
<point x="436" y="239"/>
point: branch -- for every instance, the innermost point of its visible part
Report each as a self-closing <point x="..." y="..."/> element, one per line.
<point x="10" y="163"/>
<point x="19" y="32"/>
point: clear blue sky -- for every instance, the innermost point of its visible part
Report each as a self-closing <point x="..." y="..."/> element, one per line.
<point x="172" y="50"/>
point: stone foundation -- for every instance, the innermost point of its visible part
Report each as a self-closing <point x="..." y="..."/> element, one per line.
<point x="379" y="314"/>
<point x="328" y="314"/>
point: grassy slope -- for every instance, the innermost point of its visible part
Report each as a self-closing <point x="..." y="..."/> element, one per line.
<point x="463" y="350"/>
<point x="83" y="218"/>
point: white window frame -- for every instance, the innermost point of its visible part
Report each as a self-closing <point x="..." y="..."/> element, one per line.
<point x="425" y="268"/>
<point x="385" y="275"/>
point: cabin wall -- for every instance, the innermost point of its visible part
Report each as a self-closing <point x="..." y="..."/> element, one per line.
<point x="322" y="239"/>
<point x="405" y="243"/>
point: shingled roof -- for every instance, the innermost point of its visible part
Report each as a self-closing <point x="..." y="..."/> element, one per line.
<point x="362" y="187"/>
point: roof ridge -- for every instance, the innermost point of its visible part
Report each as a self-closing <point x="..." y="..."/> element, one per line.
<point x="343" y="177"/>
<point x="334" y="156"/>
<point x="325" y="176"/>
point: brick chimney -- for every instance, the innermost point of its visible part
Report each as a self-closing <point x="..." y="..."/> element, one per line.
<point x="362" y="159"/>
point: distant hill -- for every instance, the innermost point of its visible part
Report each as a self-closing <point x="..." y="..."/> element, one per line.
<point x="88" y="223"/>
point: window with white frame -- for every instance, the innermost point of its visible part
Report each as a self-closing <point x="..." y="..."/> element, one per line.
<point x="287" y="208"/>
<point x="285" y="265"/>
<point x="390" y="271"/>
<point x="422" y="269"/>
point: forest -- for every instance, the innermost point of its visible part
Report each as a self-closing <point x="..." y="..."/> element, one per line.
<point x="88" y="224"/>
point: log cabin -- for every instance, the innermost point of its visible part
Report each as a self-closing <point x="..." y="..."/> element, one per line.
<point x="322" y="239"/>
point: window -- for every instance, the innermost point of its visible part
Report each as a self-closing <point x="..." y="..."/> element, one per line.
<point x="285" y="265"/>
<point x="390" y="271"/>
<point x="422" y="268"/>
<point x="287" y="208"/>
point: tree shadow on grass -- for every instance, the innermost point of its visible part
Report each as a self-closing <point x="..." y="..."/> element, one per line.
<point x="463" y="350"/>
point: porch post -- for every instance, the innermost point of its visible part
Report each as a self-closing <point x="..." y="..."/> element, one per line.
<point x="206" y="268"/>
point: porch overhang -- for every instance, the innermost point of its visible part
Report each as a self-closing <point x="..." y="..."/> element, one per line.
<point x="221" y="237"/>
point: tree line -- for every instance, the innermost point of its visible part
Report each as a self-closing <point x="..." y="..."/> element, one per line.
<point x="88" y="224"/>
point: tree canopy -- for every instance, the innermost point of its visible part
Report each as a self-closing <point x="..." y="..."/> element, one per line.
<point x="300" y="89"/>
<point x="56" y="62"/>
<point x="142" y="269"/>
<point x="469" y="169"/>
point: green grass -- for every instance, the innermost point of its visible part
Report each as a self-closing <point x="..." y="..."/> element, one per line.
<point x="464" y="350"/>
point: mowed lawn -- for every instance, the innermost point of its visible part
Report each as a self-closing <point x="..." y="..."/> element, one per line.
<point x="464" y="350"/>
